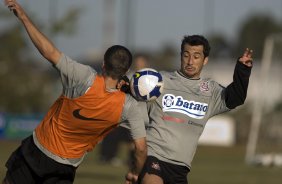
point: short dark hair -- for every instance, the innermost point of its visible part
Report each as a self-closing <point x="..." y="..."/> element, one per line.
<point x="195" y="40"/>
<point x="117" y="61"/>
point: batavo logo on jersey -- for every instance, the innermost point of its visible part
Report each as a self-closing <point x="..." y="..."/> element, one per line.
<point x="192" y="109"/>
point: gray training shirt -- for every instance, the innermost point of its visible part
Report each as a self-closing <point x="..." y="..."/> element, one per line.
<point x="179" y="115"/>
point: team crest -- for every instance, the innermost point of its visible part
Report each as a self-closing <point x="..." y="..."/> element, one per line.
<point x="156" y="166"/>
<point x="204" y="86"/>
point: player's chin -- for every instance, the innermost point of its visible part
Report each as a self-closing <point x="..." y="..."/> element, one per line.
<point x="189" y="73"/>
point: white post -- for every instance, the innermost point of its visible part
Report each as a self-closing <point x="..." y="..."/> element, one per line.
<point x="258" y="105"/>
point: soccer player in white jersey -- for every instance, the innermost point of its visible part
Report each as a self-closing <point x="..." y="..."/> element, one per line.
<point x="178" y="117"/>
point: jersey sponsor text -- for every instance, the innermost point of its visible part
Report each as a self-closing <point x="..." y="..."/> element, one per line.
<point x="192" y="109"/>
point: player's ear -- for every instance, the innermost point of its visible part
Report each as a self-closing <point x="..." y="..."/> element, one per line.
<point x="206" y="60"/>
<point x="103" y="67"/>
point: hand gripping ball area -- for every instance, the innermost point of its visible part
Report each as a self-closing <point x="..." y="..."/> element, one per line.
<point x="146" y="84"/>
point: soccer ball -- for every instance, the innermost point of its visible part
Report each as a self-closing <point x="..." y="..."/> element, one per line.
<point x="146" y="84"/>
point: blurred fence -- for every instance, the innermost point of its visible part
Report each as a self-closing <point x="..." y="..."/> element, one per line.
<point x="18" y="126"/>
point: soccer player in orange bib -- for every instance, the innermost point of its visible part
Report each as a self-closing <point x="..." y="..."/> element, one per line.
<point x="90" y="106"/>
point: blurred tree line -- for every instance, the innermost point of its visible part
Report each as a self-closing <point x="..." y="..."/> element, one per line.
<point x="26" y="86"/>
<point x="252" y="34"/>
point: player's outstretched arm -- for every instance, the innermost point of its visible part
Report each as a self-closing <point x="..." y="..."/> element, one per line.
<point x="44" y="46"/>
<point x="139" y="160"/>
<point x="236" y="92"/>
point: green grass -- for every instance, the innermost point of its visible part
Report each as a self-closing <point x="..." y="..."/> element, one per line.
<point x="218" y="165"/>
<point x="212" y="165"/>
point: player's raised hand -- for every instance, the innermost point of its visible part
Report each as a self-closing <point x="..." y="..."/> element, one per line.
<point x="123" y="84"/>
<point x="14" y="6"/>
<point x="247" y="59"/>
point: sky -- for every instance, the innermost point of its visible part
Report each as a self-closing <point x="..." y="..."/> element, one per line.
<point x="151" y="24"/>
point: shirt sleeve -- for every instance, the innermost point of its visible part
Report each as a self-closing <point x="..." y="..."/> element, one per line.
<point x="236" y="92"/>
<point x="133" y="119"/>
<point x="76" y="78"/>
<point x="218" y="99"/>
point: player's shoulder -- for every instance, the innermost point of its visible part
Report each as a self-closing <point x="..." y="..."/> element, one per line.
<point x="166" y="73"/>
<point x="130" y="101"/>
<point x="206" y="79"/>
<point x="131" y="105"/>
<point x="66" y="61"/>
<point x="209" y="84"/>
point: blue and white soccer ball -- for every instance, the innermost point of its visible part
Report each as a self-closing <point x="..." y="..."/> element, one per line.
<point x="146" y="84"/>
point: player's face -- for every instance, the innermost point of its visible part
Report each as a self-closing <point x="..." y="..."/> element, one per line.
<point x="192" y="61"/>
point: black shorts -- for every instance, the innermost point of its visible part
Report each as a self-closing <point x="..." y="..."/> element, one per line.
<point x="170" y="173"/>
<point x="28" y="165"/>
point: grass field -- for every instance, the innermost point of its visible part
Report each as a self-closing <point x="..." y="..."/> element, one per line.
<point x="212" y="165"/>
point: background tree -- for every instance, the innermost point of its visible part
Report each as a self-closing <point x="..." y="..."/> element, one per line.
<point x="254" y="31"/>
<point x="220" y="46"/>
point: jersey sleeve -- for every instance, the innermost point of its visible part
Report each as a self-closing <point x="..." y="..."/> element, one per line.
<point x="133" y="118"/>
<point x="236" y="92"/>
<point x="218" y="99"/>
<point x="76" y="78"/>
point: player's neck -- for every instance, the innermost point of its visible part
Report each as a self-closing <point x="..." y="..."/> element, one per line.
<point x="110" y="83"/>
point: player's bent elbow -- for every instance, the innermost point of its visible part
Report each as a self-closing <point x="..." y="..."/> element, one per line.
<point x="52" y="56"/>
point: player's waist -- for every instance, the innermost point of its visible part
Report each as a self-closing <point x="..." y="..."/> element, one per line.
<point x="68" y="161"/>
<point x="168" y="160"/>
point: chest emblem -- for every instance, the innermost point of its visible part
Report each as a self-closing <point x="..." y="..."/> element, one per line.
<point x="204" y="86"/>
